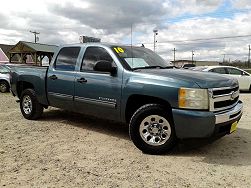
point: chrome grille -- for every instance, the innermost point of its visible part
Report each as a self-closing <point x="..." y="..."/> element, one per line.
<point x="223" y="98"/>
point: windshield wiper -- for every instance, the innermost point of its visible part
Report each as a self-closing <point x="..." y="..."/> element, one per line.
<point x="153" y="67"/>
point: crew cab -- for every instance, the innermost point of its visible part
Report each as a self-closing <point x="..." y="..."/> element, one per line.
<point x="132" y="85"/>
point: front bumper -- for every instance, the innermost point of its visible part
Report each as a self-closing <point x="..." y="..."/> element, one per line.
<point x="204" y="124"/>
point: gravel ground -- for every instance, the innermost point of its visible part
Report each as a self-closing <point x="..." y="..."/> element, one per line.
<point x="70" y="150"/>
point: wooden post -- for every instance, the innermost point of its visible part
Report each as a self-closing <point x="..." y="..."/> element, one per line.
<point x="10" y="58"/>
<point x="50" y="58"/>
<point x="36" y="58"/>
<point x="22" y="58"/>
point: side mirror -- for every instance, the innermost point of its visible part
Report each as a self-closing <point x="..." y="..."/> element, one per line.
<point x="244" y="74"/>
<point x="105" y="66"/>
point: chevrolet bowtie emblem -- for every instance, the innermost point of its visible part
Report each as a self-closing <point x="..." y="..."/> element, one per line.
<point x="233" y="95"/>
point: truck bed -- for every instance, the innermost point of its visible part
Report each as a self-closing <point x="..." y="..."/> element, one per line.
<point x="35" y="76"/>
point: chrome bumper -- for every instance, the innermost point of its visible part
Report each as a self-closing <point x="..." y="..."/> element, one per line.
<point x="234" y="113"/>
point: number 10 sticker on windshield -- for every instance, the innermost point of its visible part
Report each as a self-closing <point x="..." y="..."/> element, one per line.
<point x="119" y="50"/>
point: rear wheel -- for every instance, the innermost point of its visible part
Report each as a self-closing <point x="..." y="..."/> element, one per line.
<point x="29" y="105"/>
<point x="152" y="130"/>
<point x="4" y="87"/>
<point x="250" y="88"/>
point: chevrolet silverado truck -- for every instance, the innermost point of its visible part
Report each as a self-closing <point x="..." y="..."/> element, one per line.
<point x="132" y="85"/>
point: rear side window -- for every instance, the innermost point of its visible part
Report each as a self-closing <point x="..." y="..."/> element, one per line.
<point x="234" y="71"/>
<point x="67" y="58"/>
<point x="92" y="55"/>
<point x="219" y="70"/>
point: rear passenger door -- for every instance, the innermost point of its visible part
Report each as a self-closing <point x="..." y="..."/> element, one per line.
<point x="235" y="73"/>
<point x="220" y="70"/>
<point x="61" y="76"/>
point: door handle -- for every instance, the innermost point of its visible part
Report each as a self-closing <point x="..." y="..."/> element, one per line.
<point x="82" y="80"/>
<point x="53" y="77"/>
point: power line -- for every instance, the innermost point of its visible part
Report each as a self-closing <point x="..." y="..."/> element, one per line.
<point x="202" y="42"/>
<point x="201" y="39"/>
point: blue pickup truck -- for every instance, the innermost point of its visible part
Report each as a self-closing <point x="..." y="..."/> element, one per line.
<point x="135" y="86"/>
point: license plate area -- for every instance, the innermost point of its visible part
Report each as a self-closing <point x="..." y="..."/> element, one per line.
<point x="233" y="127"/>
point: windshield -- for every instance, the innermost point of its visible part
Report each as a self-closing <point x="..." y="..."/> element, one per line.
<point x="4" y="70"/>
<point x="140" y="57"/>
<point x="199" y="68"/>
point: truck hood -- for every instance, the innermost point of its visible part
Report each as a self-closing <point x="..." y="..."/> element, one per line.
<point x="202" y="79"/>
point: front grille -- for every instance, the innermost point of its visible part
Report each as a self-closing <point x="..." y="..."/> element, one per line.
<point x="225" y="91"/>
<point x="222" y="104"/>
<point x="223" y="98"/>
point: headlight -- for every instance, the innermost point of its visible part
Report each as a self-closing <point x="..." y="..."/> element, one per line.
<point x="193" y="98"/>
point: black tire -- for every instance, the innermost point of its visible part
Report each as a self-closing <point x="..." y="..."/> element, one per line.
<point x="4" y="86"/>
<point x="250" y="88"/>
<point x="28" y="99"/>
<point x="137" y="133"/>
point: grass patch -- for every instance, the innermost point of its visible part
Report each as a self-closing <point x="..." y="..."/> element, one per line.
<point x="248" y="70"/>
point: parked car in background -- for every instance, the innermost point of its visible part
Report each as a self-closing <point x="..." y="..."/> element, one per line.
<point x="4" y="78"/>
<point x="242" y="76"/>
<point x="188" y="66"/>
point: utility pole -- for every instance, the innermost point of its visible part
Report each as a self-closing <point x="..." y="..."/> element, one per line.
<point x="131" y="34"/>
<point x="35" y="35"/>
<point x="174" y="51"/>
<point x="192" y="55"/>
<point x="155" y="33"/>
<point x="248" y="56"/>
<point x="224" y="55"/>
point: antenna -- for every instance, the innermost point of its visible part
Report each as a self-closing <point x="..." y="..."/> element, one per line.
<point x="131" y="34"/>
<point x="131" y="45"/>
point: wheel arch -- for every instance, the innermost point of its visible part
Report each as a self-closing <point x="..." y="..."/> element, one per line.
<point x="3" y="80"/>
<point x="135" y="101"/>
<point x="22" y="85"/>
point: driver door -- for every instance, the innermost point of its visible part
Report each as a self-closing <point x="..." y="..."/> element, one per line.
<point x="97" y="93"/>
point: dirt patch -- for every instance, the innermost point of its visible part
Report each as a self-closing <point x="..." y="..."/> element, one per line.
<point x="70" y="150"/>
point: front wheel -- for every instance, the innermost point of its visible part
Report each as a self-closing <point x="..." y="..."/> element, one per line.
<point x="4" y="87"/>
<point x="151" y="129"/>
<point x="29" y="105"/>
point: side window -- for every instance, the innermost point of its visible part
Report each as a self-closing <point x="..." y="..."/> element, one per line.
<point x="92" y="55"/>
<point x="3" y="70"/>
<point x="234" y="71"/>
<point x="219" y="70"/>
<point x="67" y="58"/>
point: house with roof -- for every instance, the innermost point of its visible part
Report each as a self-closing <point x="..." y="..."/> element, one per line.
<point x="4" y="55"/>
<point x="33" y="53"/>
<point x="27" y="53"/>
